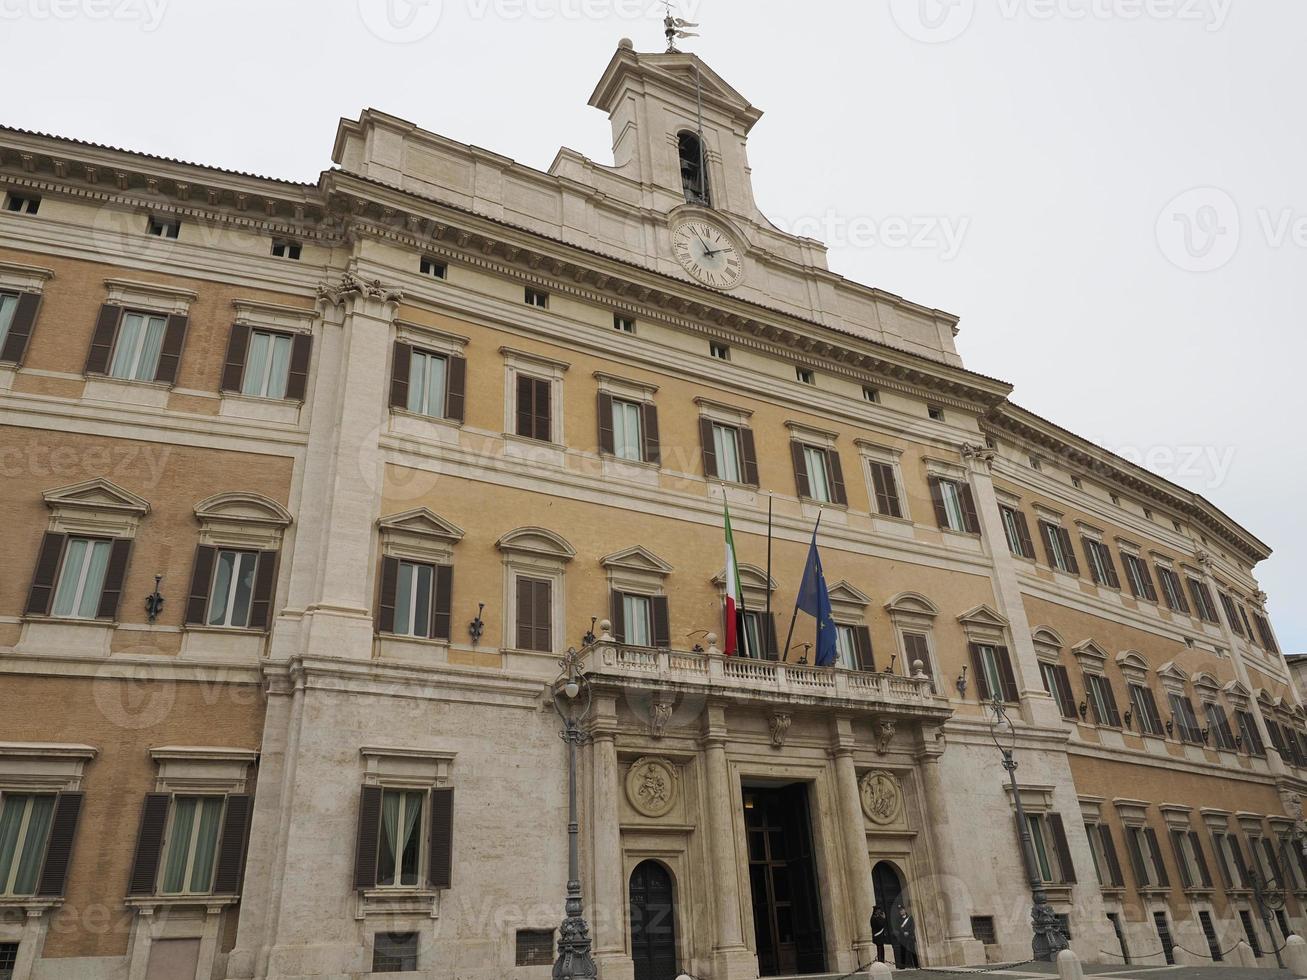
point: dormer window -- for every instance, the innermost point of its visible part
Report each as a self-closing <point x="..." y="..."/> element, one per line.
<point x="694" y="169"/>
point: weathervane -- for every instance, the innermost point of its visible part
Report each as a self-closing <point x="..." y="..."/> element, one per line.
<point x="674" y="28"/>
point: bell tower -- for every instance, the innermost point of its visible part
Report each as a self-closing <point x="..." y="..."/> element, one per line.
<point x="679" y="130"/>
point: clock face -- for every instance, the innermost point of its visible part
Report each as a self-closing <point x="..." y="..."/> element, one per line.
<point x="708" y="253"/>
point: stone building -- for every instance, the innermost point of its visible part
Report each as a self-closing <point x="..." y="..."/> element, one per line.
<point x="382" y="447"/>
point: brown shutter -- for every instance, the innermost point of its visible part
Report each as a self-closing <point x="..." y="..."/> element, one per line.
<point x="386" y="596"/>
<point x="525" y="407"/>
<point x="59" y="849"/>
<point x="231" y="845"/>
<point x="1204" y="871"/>
<point x="1109" y="851"/>
<point x="233" y="367"/>
<point x="542" y="410"/>
<point x="769" y="638"/>
<point x="525" y="612"/>
<point x="916" y="648"/>
<point x="1089" y="559"/>
<point x="606" y="423"/>
<point x="401" y="363"/>
<point x="662" y="622"/>
<point x="441" y="611"/>
<point x="43" y="578"/>
<point x="978" y="669"/>
<point x="1046" y="532"/>
<point x="149" y="844"/>
<point x="1163" y="878"/>
<point x="112" y="592"/>
<point x="937" y="498"/>
<point x="170" y="351"/>
<point x="201" y="582"/>
<point x="542" y="616"/>
<point x="1142" y="880"/>
<point x="1150" y="591"/>
<point x="1063" y="849"/>
<point x="1110" y="565"/>
<point x="265" y="583"/>
<point x="1066" y="700"/>
<point x="617" y="616"/>
<point x="887" y="490"/>
<point x="365" y="841"/>
<point x="20" y="328"/>
<point x="1006" y="677"/>
<point x="455" y="387"/>
<point x="297" y="377"/>
<point x="440" y="871"/>
<point x="1114" y="716"/>
<point x="1023" y="535"/>
<point x="862" y="648"/>
<point x="837" y="491"/>
<point x="970" y="519"/>
<point x="652" y="450"/>
<point x="800" y="470"/>
<point x="750" y="454"/>
<point x="709" y="449"/>
<point x="1177" y="848"/>
<point x="106" y="328"/>
<point x="1065" y="536"/>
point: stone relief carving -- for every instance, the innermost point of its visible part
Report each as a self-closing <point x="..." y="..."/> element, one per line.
<point x="660" y="713"/>
<point x="882" y="798"/>
<point x="352" y="285"/>
<point x="1203" y="558"/>
<point x="981" y="454"/>
<point x="779" y="723"/>
<point x="884" y="735"/>
<point x="652" y="786"/>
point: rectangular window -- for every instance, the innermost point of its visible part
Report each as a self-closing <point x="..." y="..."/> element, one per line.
<point x="1057" y="543"/>
<point x="846" y="647"/>
<point x="1164" y="935"/>
<point x="1171" y="590"/>
<point x="1202" y="597"/>
<point x="719" y="351"/>
<point x="1251" y="933"/>
<point x="536" y="297"/>
<point x="81" y="578"/>
<point x="814" y="463"/>
<point x="535" y="614"/>
<point x="1231" y="613"/>
<point x="24" y="826"/>
<point x="1263" y="627"/>
<point x="952" y="498"/>
<point x="1252" y="740"/>
<point x="535" y="947"/>
<point x="1218" y="724"/>
<point x="8" y="306"/>
<point x="413" y="595"/>
<point x="1045" y="853"/>
<point x="164" y="227"/>
<point x="804" y="376"/>
<point x="916" y="646"/>
<point x="1141" y="583"/>
<point x="1145" y="710"/>
<point x="284" y="248"/>
<point x="1209" y="933"/>
<point x="628" y="438"/>
<point x="427" y="374"/>
<point x="137" y="346"/>
<point x="990" y="669"/>
<point x="1186" y="722"/>
<point x="624" y="324"/>
<point x="395" y="952"/>
<point x="726" y="446"/>
<point x="433" y="268"/>
<point x="191" y="845"/>
<point x="1100" y="563"/>
<point x="399" y="845"/>
<point x="23" y="203"/>
<point x="1058" y="685"/>
<point x="8" y="960"/>
<point x="1017" y="532"/>
<point x="751" y="635"/>
<point x="885" y="487"/>
<point x="870" y="394"/>
<point x="637" y="616"/>
<point x="267" y="364"/>
<point x="232" y="589"/>
<point x="935" y="412"/>
<point x="1098" y="690"/>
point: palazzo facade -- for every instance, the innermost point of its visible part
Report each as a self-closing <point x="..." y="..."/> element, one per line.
<point x="308" y="488"/>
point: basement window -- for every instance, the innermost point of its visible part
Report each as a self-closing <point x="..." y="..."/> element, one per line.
<point x="395" y="952"/>
<point x="982" y="927"/>
<point x="433" y="268"/>
<point x="284" y="248"/>
<point x="164" y="227"/>
<point x="719" y="351"/>
<point x="625" y="324"/>
<point x="22" y="203"/>
<point x="535" y="947"/>
<point x="537" y="297"/>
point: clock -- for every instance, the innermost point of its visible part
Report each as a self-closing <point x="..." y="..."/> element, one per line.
<point x="708" y="253"/>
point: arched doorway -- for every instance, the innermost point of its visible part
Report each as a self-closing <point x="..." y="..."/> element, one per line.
<point x="887" y="883"/>
<point x="653" y="922"/>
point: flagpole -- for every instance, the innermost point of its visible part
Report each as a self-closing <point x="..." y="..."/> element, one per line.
<point x="790" y="635"/>
<point x="767" y="624"/>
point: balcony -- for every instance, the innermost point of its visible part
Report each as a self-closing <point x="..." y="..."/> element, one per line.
<point x="744" y="681"/>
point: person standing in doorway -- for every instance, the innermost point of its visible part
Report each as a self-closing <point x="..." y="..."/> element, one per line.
<point x="879" y="931"/>
<point x="905" y="941"/>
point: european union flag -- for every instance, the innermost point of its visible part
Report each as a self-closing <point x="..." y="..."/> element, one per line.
<point x="815" y="601"/>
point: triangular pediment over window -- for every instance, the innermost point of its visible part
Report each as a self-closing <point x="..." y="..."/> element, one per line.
<point x="636" y="559"/>
<point x="97" y="494"/>
<point x="1090" y="653"/>
<point x="983" y="615"/>
<point x="849" y="595"/>
<point x="1171" y="671"/>
<point x="422" y="521"/>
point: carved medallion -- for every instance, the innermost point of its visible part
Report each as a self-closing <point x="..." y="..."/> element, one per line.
<point x="651" y="787"/>
<point x="882" y="798"/>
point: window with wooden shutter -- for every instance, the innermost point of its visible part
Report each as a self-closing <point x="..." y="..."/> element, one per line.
<point x="41" y="594"/>
<point x="1203" y="603"/>
<point x="387" y="594"/>
<point x="750" y="456"/>
<point x="170" y="353"/>
<point x="17" y="320"/>
<point x="917" y="647"/>
<point x="367" y="838"/>
<point x="800" y="470"/>
<point x="662" y="630"/>
<point x="233" y="367"/>
<point x="1171" y="590"/>
<point x="1204" y="871"/>
<point x="885" y="486"/>
<point x="231" y="845"/>
<point x="617" y="615"/>
<point x="707" y="442"/>
<point x="1141" y="583"/>
<point x="1102" y="700"/>
<point x="1017" y="532"/>
<point x="401" y="367"/>
<point x="265" y="583"/>
<point x="863" y="653"/>
<point x="59" y="845"/>
<point x="838" y="494"/>
<point x="970" y="518"/>
<point x="1158" y="861"/>
<point x="534" y="412"/>
<point x="111" y="592"/>
<point x="456" y="389"/>
<point x="1182" y="865"/>
<point x="1058" y="684"/>
<point x="1135" y="845"/>
<point x="297" y="374"/>
<point x="534" y="614"/>
<point x="652" y="448"/>
<point x="1062" y="848"/>
<point x="102" y="339"/>
<point x="414" y="598"/>
<point x="1115" y="877"/>
<point x="606" y="435"/>
<point x="149" y="844"/>
<point x="441" y="849"/>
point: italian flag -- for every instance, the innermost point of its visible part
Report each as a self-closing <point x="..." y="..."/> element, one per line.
<point x="731" y="644"/>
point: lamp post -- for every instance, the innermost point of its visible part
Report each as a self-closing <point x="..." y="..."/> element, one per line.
<point x="1266" y="896"/>
<point x="572" y="697"/>
<point x="1048" y="940"/>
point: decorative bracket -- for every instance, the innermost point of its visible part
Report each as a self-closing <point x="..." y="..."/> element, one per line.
<point x="779" y="723"/>
<point x="352" y="285"/>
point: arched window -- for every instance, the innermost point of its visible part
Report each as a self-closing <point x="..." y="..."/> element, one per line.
<point x="694" y="169"/>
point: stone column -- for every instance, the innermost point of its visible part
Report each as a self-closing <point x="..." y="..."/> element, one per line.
<point x="608" y="908"/>
<point x="857" y="862"/>
<point x="731" y="958"/>
<point x="961" y="948"/>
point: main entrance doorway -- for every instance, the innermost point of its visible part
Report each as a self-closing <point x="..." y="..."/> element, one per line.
<point x="653" y="923"/>
<point x="783" y="880"/>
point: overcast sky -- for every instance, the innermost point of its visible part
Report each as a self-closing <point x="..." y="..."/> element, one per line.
<point x="1110" y="193"/>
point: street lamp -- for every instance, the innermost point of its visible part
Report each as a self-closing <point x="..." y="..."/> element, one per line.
<point x="572" y="697"/>
<point x="1048" y="940"/>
